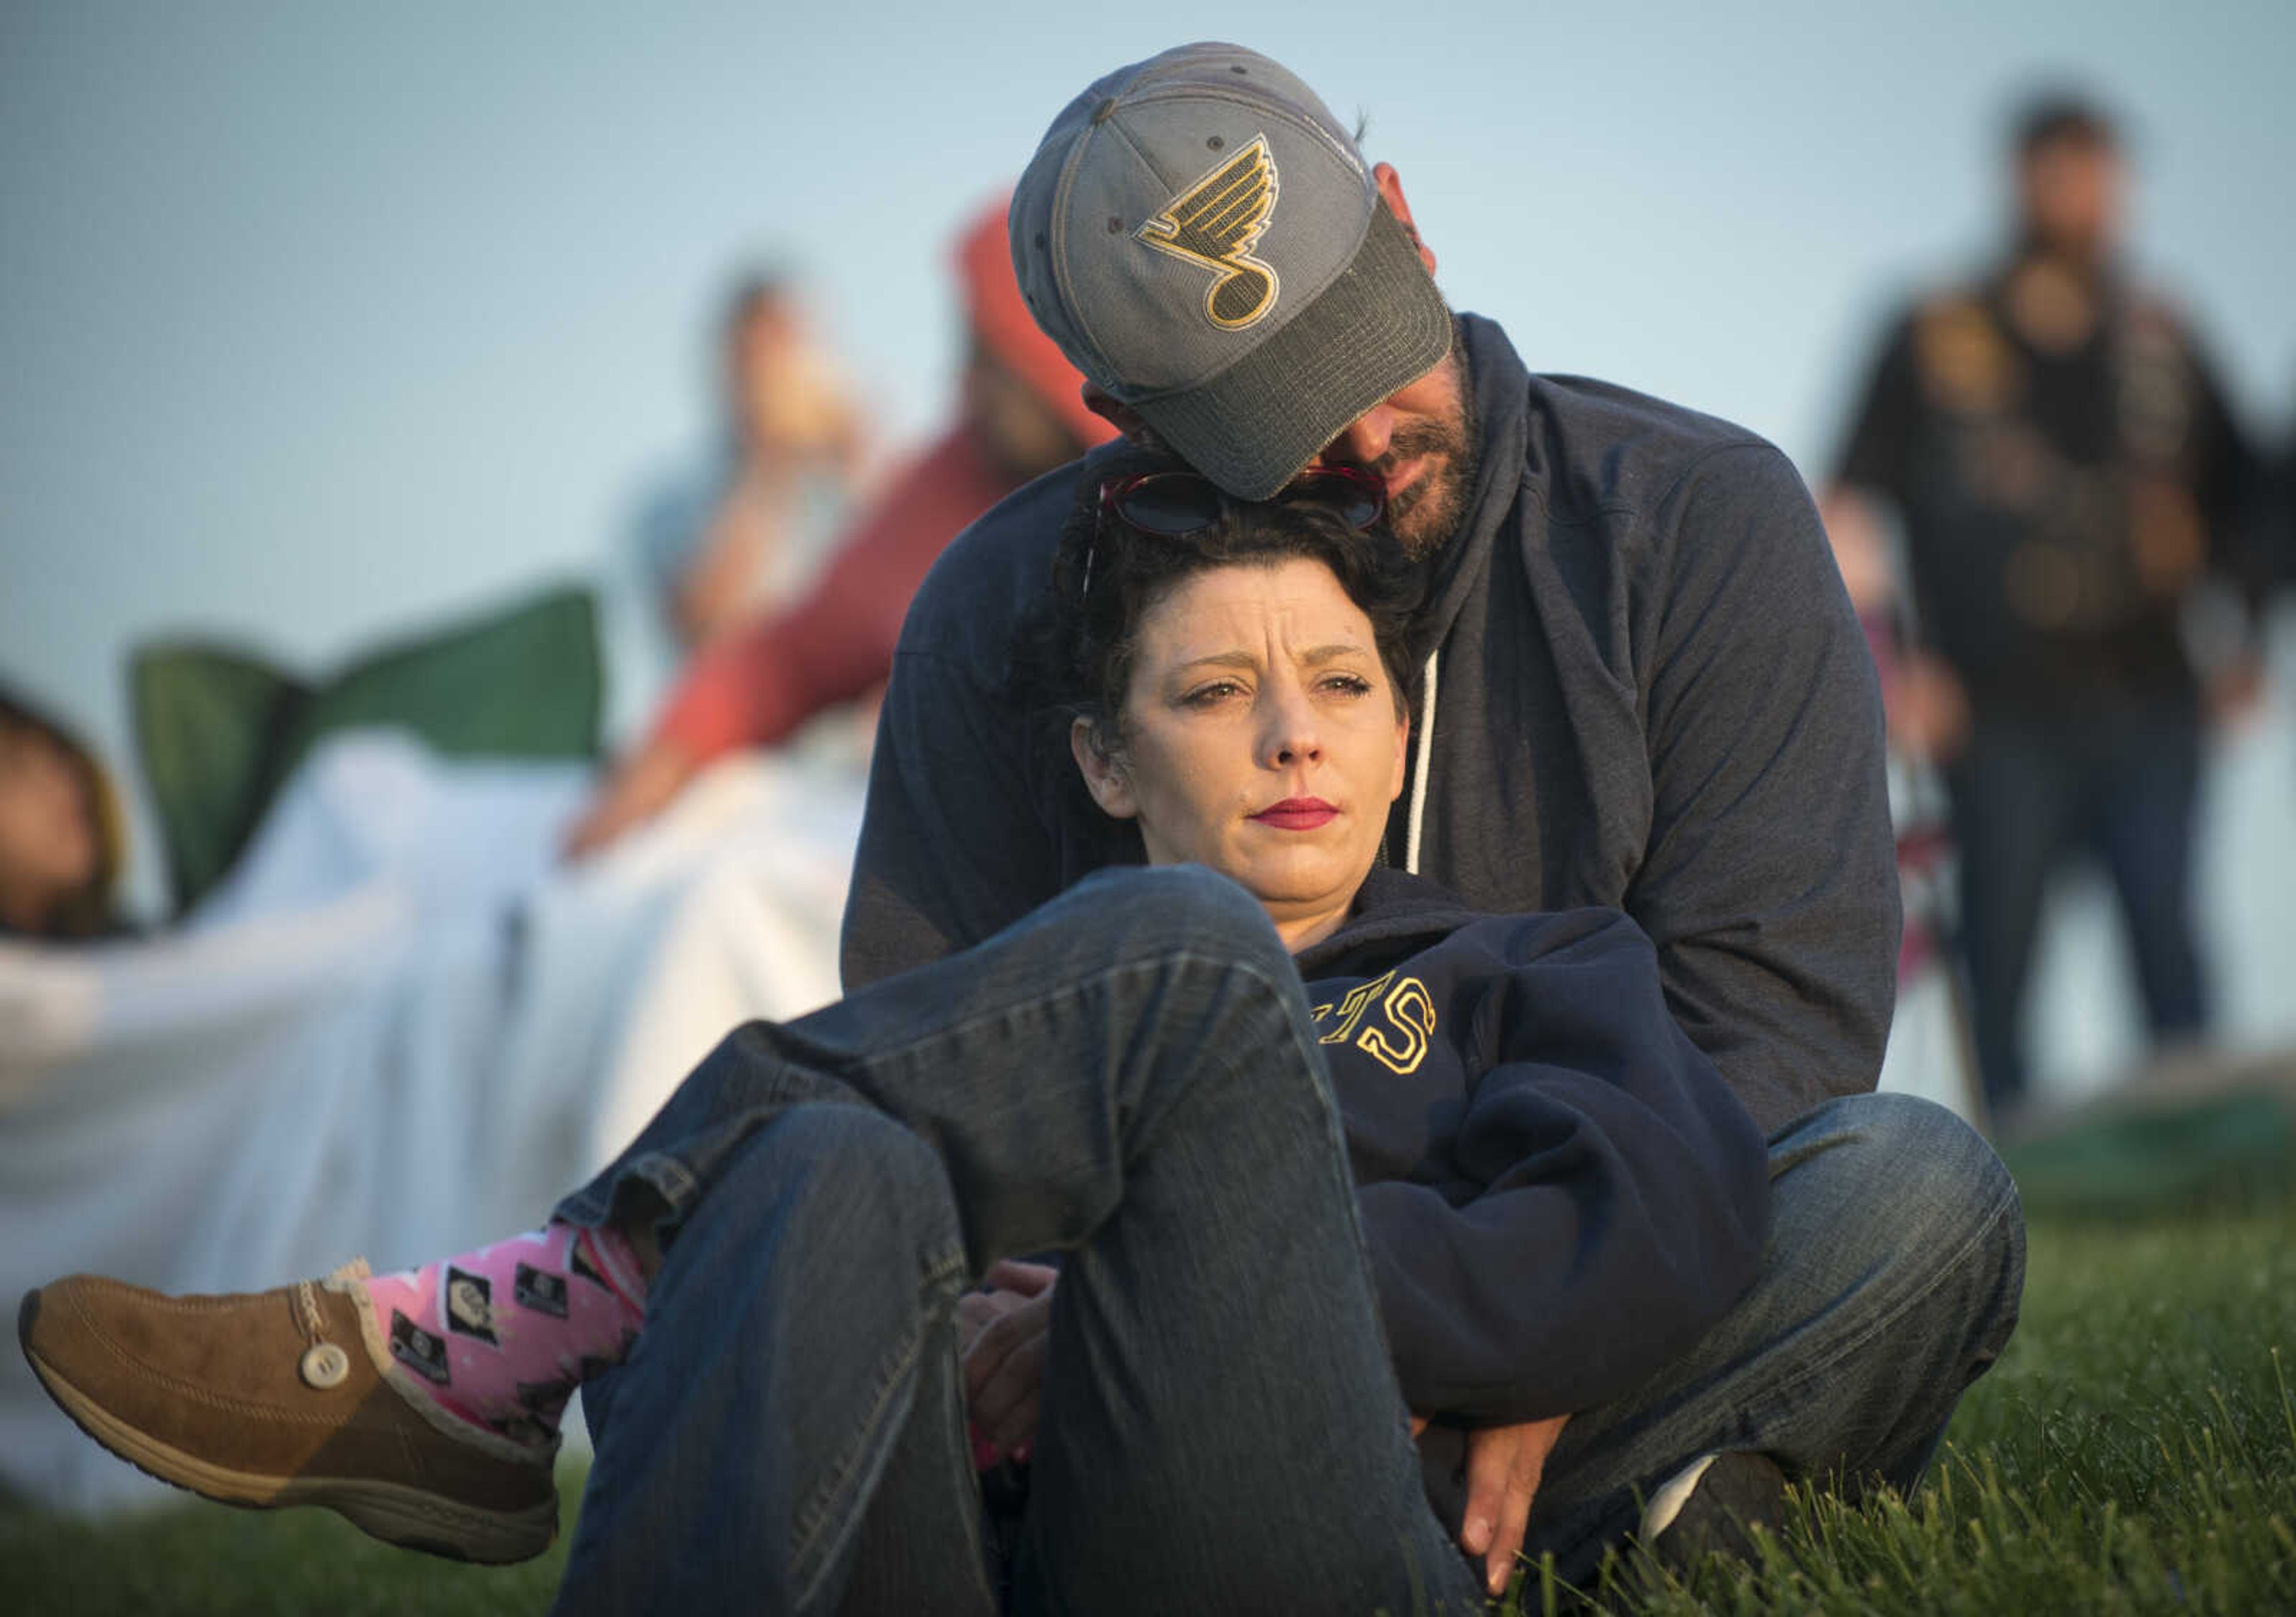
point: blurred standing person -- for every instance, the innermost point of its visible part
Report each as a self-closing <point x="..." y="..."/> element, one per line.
<point x="716" y="546"/>
<point x="1020" y="413"/>
<point x="2066" y="474"/>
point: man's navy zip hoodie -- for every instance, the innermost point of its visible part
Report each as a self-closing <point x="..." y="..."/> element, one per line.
<point x="1558" y="1192"/>
<point x="1653" y="695"/>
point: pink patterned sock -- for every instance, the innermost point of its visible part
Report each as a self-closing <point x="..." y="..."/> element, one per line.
<point x="503" y="1335"/>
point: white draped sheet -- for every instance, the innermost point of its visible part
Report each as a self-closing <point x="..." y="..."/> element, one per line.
<point x="400" y="1029"/>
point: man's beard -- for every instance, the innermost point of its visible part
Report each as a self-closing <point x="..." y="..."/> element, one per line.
<point x="1424" y="516"/>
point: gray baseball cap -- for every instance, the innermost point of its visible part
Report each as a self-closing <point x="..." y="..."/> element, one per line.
<point x="1204" y="241"/>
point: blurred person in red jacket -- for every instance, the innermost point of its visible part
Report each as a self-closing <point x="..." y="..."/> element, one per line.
<point x="1020" y="413"/>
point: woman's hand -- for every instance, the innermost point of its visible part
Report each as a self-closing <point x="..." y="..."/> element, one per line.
<point x="1504" y="1465"/>
<point x="1002" y="1335"/>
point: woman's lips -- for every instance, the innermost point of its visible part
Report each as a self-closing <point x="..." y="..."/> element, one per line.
<point x="1297" y="814"/>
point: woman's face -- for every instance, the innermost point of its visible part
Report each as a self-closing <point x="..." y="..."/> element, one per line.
<point x="1259" y="737"/>
<point x="47" y="832"/>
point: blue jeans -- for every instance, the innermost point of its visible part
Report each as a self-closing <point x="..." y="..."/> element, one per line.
<point x="1131" y="1076"/>
<point x="2122" y="783"/>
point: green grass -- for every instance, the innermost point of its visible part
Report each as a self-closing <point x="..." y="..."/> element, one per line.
<point x="204" y="1560"/>
<point x="2135" y="1451"/>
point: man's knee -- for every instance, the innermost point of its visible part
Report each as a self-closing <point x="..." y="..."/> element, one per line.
<point x="1902" y="1193"/>
<point x="1882" y="1128"/>
<point x="1907" y="1169"/>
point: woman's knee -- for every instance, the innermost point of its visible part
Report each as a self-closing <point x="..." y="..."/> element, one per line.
<point x="837" y="1174"/>
<point x="1186" y="908"/>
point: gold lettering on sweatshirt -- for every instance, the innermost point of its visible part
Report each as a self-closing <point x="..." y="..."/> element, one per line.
<point x="1392" y="1022"/>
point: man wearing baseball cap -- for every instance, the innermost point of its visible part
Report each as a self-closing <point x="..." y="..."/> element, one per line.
<point x="1643" y="688"/>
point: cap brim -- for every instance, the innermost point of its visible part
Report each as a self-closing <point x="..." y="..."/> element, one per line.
<point x="1381" y="326"/>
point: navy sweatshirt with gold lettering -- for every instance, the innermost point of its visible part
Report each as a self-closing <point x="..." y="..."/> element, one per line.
<point x="1558" y="1191"/>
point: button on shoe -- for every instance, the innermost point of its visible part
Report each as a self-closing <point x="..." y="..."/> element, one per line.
<point x="325" y="1365"/>
<point x="285" y="1397"/>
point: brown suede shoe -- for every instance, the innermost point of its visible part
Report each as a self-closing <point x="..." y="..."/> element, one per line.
<point x="285" y="1397"/>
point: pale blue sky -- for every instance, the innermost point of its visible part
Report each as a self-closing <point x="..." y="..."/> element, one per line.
<point x="318" y="320"/>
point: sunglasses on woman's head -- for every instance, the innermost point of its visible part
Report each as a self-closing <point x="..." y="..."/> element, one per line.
<point x="1175" y="504"/>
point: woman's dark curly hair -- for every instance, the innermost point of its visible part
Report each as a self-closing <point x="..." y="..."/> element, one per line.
<point x="1074" y="655"/>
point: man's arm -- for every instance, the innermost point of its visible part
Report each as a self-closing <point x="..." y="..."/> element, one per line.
<point x="2279" y="528"/>
<point x="758" y="685"/>
<point x="955" y="843"/>
<point x="2231" y="486"/>
<point x="952" y="849"/>
<point x="1876" y="453"/>
<point x="1769" y="880"/>
<point x="753" y="686"/>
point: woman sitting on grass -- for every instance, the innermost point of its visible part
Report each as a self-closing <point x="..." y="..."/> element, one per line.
<point x="1334" y="1163"/>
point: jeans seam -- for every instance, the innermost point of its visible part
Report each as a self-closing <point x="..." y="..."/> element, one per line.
<point x="817" y="1513"/>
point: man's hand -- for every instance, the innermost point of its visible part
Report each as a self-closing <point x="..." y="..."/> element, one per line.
<point x="1928" y="711"/>
<point x="638" y="788"/>
<point x="1002" y="1335"/>
<point x="1504" y="1465"/>
<point x="2237" y="691"/>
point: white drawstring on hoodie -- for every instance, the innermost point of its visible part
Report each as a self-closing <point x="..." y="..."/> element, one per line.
<point x="1416" y="821"/>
